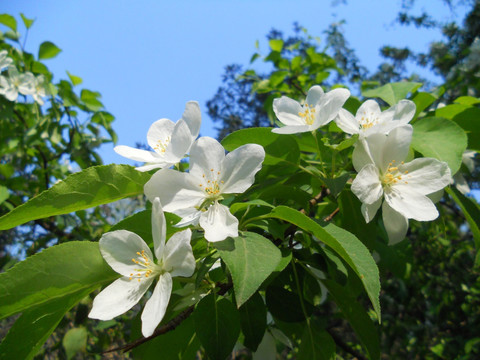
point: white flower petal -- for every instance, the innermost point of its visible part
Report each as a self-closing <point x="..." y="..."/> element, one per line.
<point x="396" y="146"/>
<point x="119" y="297"/>
<point x="218" y="223"/>
<point x="369" y="109"/>
<point x="190" y="216"/>
<point x="395" y="223"/>
<point x="397" y="115"/>
<point x="160" y="133"/>
<point x="329" y="106"/>
<point x="367" y="186"/>
<point x="152" y="166"/>
<point x="155" y="308"/>
<point x="369" y="210"/>
<point x="138" y="154"/>
<point x="426" y="175"/>
<point x="410" y="203"/>
<point x="192" y="116"/>
<point x="175" y="189"/>
<point x="287" y="110"/>
<point x="159" y="228"/>
<point x="119" y="247"/>
<point x="178" y="257"/>
<point x="180" y="143"/>
<point x="206" y="154"/>
<point x="361" y="153"/>
<point x="347" y="122"/>
<point x="292" y="129"/>
<point x="315" y="93"/>
<point x="240" y="167"/>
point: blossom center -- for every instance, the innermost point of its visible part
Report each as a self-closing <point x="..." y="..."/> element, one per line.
<point x="368" y="120"/>
<point x="162" y="145"/>
<point x="393" y="175"/>
<point x="212" y="184"/>
<point x="146" y="266"/>
<point x="308" y="114"/>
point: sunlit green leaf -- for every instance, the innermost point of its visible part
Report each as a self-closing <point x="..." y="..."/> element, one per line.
<point x="28" y="22"/>
<point x="38" y="322"/>
<point x="392" y="93"/>
<point x="441" y="139"/>
<point x="54" y="273"/>
<point x="8" y="20"/>
<point x="251" y="258"/>
<point x="48" y="50"/>
<point x="91" y="187"/>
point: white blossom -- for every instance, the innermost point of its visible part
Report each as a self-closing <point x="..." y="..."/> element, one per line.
<point x="319" y="109"/>
<point x="195" y="195"/>
<point x="170" y="141"/>
<point x="131" y="257"/>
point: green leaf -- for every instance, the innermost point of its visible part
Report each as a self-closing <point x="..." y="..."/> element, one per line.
<point x="54" y="273"/>
<point x="8" y="20"/>
<point x="337" y="184"/>
<point x="243" y="205"/>
<point x="217" y="324"/>
<point x="74" y="79"/>
<point x="28" y="22"/>
<point x="4" y="194"/>
<point x="345" y="244"/>
<point x="357" y="317"/>
<point x="352" y="219"/>
<point x="179" y="344"/>
<point x="90" y="98"/>
<point x="251" y="258"/>
<point x="276" y="44"/>
<point x="278" y="147"/>
<point x="441" y="139"/>
<point x="253" y="320"/>
<point x="38" y="322"/>
<point x="316" y="344"/>
<point x="91" y="187"/>
<point x="472" y="214"/>
<point x="74" y="341"/>
<point x="285" y="305"/>
<point x="394" y="92"/>
<point x="48" y="50"/>
<point x="422" y="101"/>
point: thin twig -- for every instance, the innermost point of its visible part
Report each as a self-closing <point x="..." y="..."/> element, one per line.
<point x="330" y="217"/>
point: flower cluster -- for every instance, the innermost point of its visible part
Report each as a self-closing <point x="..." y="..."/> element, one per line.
<point x="195" y="196"/>
<point x="20" y="83"/>
<point x="384" y="178"/>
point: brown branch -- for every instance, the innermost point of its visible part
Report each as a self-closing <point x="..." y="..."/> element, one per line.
<point x="170" y="326"/>
<point x="330" y="217"/>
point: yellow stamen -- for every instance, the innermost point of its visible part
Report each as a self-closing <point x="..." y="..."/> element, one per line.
<point x="308" y="114"/>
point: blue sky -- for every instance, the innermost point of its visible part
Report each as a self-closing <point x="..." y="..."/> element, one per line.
<point x="148" y="58"/>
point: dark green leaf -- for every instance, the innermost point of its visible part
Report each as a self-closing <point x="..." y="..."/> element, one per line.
<point x="217" y="324"/>
<point x="251" y="258"/>
<point x="472" y="213"/>
<point x="345" y="244"/>
<point x="54" y="273"/>
<point x="316" y="344"/>
<point x="38" y="322"/>
<point x="357" y="317"/>
<point x="285" y="305"/>
<point x="48" y="50"/>
<point x="91" y="187"/>
<point x="278" y="147"/>
<point x="253" y="320"/>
